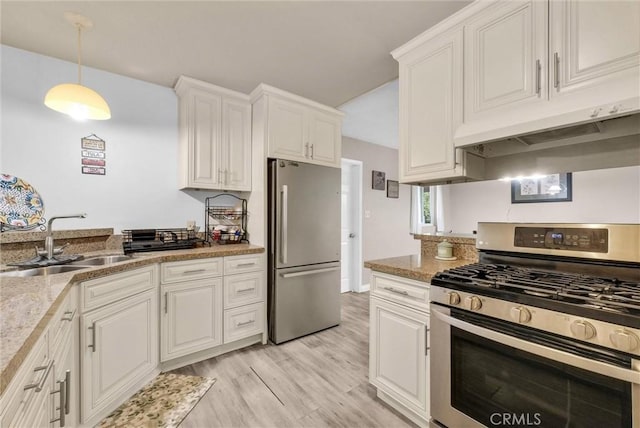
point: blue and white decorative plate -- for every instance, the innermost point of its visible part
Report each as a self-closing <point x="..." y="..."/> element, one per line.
<point x="21" y="206"/>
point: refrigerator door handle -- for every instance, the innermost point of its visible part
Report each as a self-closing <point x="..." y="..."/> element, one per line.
<point x="308" y="272"/>
<point x="285" y="220"/>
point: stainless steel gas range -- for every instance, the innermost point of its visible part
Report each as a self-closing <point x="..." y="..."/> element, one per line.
<point x="543" y="331"/>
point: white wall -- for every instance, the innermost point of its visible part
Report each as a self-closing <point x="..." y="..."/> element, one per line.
<point x="42" y="146"/>
<point x="599" y="196"/>
<point x="386" y="232"/>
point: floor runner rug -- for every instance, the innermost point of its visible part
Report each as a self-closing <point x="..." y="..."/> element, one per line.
<point x="164" y="403"/>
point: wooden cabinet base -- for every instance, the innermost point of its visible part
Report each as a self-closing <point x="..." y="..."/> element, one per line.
<point x="421" y="422"/>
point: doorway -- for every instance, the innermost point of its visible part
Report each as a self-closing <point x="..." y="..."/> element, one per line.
<point x="351" y="226"/>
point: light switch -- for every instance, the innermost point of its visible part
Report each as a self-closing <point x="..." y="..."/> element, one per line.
<point x="367" y="214"/>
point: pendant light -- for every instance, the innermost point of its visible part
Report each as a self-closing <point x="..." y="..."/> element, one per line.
<point x="77" y="100"/>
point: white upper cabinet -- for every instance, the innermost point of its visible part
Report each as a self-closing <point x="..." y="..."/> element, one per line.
<point x="505" y="57"/>
<point x="215" y="137"/>
<point x="532" y="65"/>
<point x="430" y="110"/>
<point x="595" y="43"/>
<point x="296" y="128"/>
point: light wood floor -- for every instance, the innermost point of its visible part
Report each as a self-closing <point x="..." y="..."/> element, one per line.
<point x="315" y="381"/>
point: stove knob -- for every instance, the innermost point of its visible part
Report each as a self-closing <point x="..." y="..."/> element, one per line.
<point x="454" y="298"/>
<point x="473" y="303"/>
<point x="520" y="315"/>
<point x="624" y="340"/>
<point x="582" y="330"/>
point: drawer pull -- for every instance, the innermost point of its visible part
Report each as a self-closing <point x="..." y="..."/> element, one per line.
<point x="67" y="395"/>
<point x="393" y="290"/>
<point x="191" y="272"/>
<point x="64" y="388"/>
<point x="70" y="315"/>
<point x="240" y="324"/>
<point x="244" y="290"/>
<point x="38" y="386"/>
<point x="93" y="337"/>
<point x="245" y="264"/>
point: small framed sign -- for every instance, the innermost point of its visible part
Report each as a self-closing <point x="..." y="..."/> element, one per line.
<point x="377" y="180"/>
<point x="393" y="189"/>
<point x="94" y="170"/>
<point x="93" y="143"/>
<point x="546" y="188"/>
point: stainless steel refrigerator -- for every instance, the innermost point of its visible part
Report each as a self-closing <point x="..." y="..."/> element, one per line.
<point x="304" y="249"/>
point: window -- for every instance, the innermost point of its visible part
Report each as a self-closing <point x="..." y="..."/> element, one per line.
<point x="423" y="209"/>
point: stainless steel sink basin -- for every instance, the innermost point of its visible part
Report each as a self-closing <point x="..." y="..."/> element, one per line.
<point x="101" y="260"/>
<point x="43" y="271"/>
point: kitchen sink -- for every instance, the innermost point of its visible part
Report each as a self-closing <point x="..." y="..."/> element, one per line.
<point x="102" y="260"/>
<point x="43" y="271"/>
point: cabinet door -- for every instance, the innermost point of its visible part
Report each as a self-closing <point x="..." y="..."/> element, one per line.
<point x="119" y="347"/>
<point x="398" y="363"/>
<point x="191" y="318"/>
<point x="236" y="145"/>
<point x="430" y="108"/>
<point x="205" y="135"/>
<point x="505" y="57"/>
<point x="325" y="138"/>
<point x="287" y="131"/>
<point x="594" y="42"/>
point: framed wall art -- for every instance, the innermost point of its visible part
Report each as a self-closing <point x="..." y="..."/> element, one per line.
<point x="546" y="188"/>
<point x="393" y="189"/>
<point x="377" y="180"/>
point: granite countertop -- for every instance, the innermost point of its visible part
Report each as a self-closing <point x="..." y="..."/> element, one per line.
<point x="414" y="267"/>
<point x="27" y="304"/>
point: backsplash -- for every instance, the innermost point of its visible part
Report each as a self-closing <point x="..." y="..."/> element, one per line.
<point x="464" y="247"/>
<point x="20" y="246"/>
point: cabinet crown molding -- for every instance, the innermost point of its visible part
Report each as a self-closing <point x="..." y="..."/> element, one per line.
<point x="264" y="89"/>
<point x="185" y="84"/>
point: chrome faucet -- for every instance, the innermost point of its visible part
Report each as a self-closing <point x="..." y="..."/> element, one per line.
<point x="49" y="249"/>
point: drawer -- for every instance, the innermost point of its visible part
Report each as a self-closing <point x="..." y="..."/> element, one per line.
<point x="16" y="402"/>
<point x="401" y="290"/>
<point x="241" y="264"/>
<point x="243" y="289"/>
<point x="62" y="322"/>
<point x="111" y="288"/>
<point x="243" y="322"/>
<point x="190" y="269"/>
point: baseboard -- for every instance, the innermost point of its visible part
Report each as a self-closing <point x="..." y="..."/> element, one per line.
<point x="364" y="288"/>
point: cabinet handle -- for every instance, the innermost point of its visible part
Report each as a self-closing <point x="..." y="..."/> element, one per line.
<point x="426" y="341"/>
<point x="93" y="337"/>
<point x="538" y="77"/>
<point x="306" y="150"/>
<point x="285" y="223"/>
<point x="312" y="151"/>
<point x="393" y="290"/>
<point x="556" y="70"/>
<point x="240" y="324"/>
<point x="166" y="301"/>
<point x="67" y="395"/>
<point x="39" y="385"/>
<point x="244" y="290"/>
<point x="63" y="403"/>
<point x="245" y="264"/>
<point x="70" y="317"/>
<point x="191" y="272"/>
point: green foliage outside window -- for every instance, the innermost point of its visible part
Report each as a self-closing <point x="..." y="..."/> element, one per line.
<point x="426" y="205"/>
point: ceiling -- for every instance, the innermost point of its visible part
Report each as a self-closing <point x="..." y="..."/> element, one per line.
<point x="328" y="51"/>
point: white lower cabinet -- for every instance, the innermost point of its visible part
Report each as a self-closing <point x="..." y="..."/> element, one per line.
<point x="118" y="343"/>
<point x="398" y="355"/>
<point x="209" y="303"/>
<point x="192" y="317"/>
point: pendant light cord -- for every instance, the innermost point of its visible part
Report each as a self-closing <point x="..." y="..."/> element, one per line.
<point x="79" y="56"/>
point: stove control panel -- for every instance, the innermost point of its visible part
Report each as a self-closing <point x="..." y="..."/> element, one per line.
<point x="572" y="239"/>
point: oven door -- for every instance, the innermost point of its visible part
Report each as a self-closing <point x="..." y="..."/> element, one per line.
<point x="487" y="372"/>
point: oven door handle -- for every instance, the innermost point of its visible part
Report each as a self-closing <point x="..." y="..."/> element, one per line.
<point x="620" y="373"/>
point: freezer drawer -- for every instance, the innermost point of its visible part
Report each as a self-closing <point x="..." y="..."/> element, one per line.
<point x="303" y="301"/>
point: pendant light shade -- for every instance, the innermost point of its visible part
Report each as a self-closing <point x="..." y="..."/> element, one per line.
<point x="77" y="101"/>
<point x="73" y="99"/>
